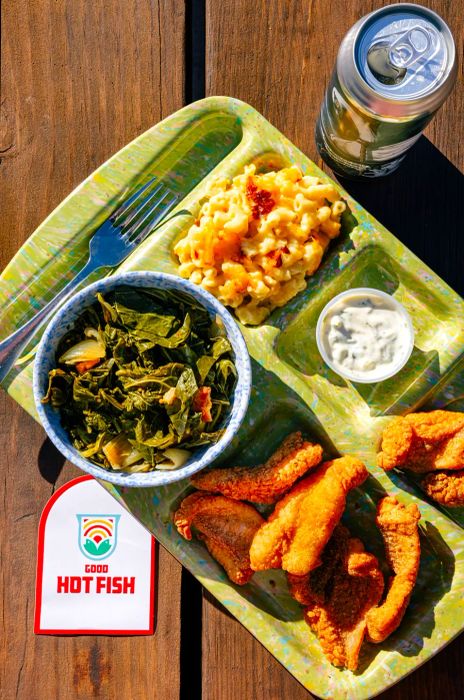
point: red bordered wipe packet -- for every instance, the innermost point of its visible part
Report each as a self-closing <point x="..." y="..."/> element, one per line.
<point x="95" y="565"/>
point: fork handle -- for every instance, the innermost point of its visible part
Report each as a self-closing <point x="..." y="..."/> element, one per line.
<point x="11" y="347"/>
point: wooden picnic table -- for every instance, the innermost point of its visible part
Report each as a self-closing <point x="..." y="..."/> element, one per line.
<point x="80" y="79"/>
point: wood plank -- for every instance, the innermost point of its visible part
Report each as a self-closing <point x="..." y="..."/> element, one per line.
<point x="79" y="80"/>
<point x="236" y="665"/>
<point x="278" y="56"/>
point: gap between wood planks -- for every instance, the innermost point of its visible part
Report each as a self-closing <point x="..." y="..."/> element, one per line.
<point x="191" y="596"/>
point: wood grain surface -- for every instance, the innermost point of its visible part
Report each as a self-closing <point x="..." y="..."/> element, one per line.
<point x="81" y="78"/>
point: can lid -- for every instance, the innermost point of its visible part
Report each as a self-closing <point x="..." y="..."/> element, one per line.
<point x="399" y="59"/>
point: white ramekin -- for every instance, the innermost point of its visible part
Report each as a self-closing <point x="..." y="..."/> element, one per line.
<point x="357" y="292"/>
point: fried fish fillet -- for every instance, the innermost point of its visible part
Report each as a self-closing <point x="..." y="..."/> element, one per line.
<point x="268" y="482"/>
<point x="399" y="527"/>
<point x="397" y="442"/>
<point x="423" y="442"/>
<point x="226" y="526"/>
<point x="435" y="426"/>
<point x="446" y="488"/>
<point x="304" y="519"/>
<point x="338" y="595"/>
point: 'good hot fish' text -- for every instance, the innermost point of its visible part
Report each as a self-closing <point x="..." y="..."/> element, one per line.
<point x="95" y="584"/>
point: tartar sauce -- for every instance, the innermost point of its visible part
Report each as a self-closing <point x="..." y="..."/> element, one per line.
<point x="366" y="335"/>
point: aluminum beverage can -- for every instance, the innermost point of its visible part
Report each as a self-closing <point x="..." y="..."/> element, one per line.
<point x="395" y="68"/>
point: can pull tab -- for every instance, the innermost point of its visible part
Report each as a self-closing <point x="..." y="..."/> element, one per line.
<point x="389" y="61"/>
<point x="409" y="47"/>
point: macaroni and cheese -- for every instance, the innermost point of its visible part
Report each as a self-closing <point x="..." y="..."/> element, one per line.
<point x="258" y="236"/>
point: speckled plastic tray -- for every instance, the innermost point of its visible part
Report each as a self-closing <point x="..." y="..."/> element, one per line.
<point x="292" y="388"/>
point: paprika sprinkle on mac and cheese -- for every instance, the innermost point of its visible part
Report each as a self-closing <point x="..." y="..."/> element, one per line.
<point x="263" y="202"/>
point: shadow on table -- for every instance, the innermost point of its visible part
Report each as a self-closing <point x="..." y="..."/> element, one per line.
<point x="421" y="204"/>
<point x="50" y="461"/>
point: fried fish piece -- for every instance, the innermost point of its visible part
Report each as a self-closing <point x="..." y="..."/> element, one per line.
<point x="303" y="520"/>
<point x="423" y="442"/>
<point x="446" y="488"/>
<point x="226" y="526"/>
<point x="311" y="587"/>
<point x="397" y="441"/>
<point x="435" y="426"/>
<point x="338" y="595"/>
<point x="268" y="482"/>
<point x="399" y="527"/>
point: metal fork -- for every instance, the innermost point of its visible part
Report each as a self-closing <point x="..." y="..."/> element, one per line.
<point x="111" y="243"/>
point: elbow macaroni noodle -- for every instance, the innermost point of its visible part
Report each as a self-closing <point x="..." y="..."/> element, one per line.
<point x="258" y="236"/>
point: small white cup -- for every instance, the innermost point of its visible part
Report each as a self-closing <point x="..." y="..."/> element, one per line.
<point x="393" y="304"/>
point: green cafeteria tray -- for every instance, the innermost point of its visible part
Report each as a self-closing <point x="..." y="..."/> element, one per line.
<point x="292" y="388"/>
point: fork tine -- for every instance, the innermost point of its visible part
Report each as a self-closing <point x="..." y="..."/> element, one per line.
<point x="128" y="232"/>
<point x="141" y="208"/>
<point x="144" y="232"/>
<point x="127" y="204"/>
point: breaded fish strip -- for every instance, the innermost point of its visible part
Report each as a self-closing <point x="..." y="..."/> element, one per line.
<point x="304" y="519"/>
<point x="397" y="441"/>
<point x="398" y="525"/>
<point x="268" y="482"/>
<point x="338" y="595"/>
<point x="227" y="528"/>
<point x="423" y="442"/>
<point x="435" y="426"/>
<point x="446" y="488"/>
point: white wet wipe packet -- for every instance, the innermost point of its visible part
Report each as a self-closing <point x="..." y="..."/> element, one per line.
<point x="95" y="565"/>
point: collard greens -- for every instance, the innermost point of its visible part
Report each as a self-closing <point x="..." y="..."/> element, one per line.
<point x="142" y="371"/>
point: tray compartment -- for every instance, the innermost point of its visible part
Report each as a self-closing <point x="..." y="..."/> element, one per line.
<point x="436" y="333"/>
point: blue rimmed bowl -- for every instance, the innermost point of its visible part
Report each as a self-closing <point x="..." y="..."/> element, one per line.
<point x="64" y="320"/>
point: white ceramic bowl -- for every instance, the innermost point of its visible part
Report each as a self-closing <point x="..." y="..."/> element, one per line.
<point x="388" y="300"/>
<point x="64" y="321"/>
